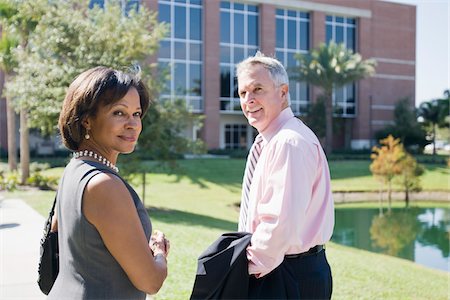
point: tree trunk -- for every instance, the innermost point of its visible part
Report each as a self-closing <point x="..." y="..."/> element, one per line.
<point x="328" y="122"/>
<point x="24" y="146"/>
<point x="11" y="134"/>
<point x="407" y="197"/>
<point x="380" y="200"/>
<point x="389" y="195"/>
<point x="434" y="139"/>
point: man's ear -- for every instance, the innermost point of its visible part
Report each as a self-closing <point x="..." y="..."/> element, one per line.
<point x="284" y="90"/>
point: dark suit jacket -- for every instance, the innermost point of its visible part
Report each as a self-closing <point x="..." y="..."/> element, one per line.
<point x="222" y="271"/>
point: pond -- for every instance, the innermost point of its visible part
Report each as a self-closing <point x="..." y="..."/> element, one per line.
<point x="418" y="234"/>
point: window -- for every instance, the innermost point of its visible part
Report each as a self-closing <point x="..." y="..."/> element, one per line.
<point x="239" y="38"/>
<point x="180" y="53"/>
<point x="343" y="30"/>
<point x="235" y="136"/>
<point x="127" y="5"/>
<point x="292" y="37"/>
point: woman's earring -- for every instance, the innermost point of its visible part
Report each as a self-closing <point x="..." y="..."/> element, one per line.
<point x="87" y="136"/>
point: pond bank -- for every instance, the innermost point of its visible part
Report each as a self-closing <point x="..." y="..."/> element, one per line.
<point x="344" y="197"/>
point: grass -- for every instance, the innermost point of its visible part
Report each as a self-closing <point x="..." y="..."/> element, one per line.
<point x="194" y="205"/>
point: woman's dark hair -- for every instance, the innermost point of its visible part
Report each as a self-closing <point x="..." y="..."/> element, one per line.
<point x="99" y="86"/>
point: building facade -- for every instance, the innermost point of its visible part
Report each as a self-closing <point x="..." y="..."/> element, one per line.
<point x="207" y="38"/>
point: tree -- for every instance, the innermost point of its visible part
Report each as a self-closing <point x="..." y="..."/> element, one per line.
<point x="386" y="163"/>
<point x="70" y="39"/>
<point x="18" y="20"/>
<point x="7" y="63"/>
<point x="434" y="113"/>
<point x="409" y="177"/>
<point x="405" y="127"/>
<point x="329" y="67"/>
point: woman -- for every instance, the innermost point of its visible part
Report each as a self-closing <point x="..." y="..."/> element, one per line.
<point x="103" y="228"/>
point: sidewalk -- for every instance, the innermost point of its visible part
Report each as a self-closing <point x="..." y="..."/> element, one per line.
<point x="21" y="229"/>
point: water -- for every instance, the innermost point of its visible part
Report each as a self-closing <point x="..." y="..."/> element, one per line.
<point x="421" y="235"/>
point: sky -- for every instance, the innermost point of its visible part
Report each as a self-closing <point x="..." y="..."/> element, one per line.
<point x="432" y="48"/>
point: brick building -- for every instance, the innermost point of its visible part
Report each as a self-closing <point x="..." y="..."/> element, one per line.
<point x="209" y="37"/>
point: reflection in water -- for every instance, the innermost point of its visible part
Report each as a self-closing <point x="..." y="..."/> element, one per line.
<point x="403" y="233"/>
<point x="395" y="231"/>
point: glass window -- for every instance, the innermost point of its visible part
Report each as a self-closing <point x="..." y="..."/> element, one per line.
<point x="195" y="53"/>
<point x="238" y="29"/>
<point x="225" y="27"/>
<point x="280" y="33"/>
<point x="292" y="30"/>
<point x="304" y="36"/>
<point x="180" y="79"/>
<point x="225" y="82"/>
<point x="239" y="6"/>
<point x="180" y="22"/>
<point x="239" y="54"/>
<point x="292" y="34"/>
<point x="195" y="77"/>
<point x="98" y="3"/>
<point x="195" y="24"/>
<point x="225" y="54"/>
<point x="235" y="136"/>
<point x="164" y="13"/>
<point x="181" y="52"/>
<point x="252" y="28"/>
<point x="239" y="38"/>
<point x="339" y="35"/>
<point x="164" y="49"/>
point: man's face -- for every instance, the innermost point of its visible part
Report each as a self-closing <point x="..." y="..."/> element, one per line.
<point x="261" y="100"/>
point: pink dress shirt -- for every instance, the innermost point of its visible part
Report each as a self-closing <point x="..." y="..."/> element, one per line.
<point x="290" y="202"/>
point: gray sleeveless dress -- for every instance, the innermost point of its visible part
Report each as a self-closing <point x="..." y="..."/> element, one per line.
<point x="87" y="269"/>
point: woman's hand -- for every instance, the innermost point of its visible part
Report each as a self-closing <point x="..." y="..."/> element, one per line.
<point x="159" y="243"/>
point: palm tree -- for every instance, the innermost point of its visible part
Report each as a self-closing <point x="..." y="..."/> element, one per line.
<point x="329" y="67"/>
<point x="429" y="111"/>
<point x="7" y="63"/>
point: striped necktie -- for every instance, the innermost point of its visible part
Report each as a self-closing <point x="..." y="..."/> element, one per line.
<point x="252" y="160"/>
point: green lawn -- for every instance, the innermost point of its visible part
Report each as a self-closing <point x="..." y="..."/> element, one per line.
<point x="196" y="204"/>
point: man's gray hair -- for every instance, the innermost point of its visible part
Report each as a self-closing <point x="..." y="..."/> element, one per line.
<point x="276" y="69"/>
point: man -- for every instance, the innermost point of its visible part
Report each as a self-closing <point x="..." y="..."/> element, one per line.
<point x="286" y="200"/>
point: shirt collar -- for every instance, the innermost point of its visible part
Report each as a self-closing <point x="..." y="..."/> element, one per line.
<point x="276" y="124"/>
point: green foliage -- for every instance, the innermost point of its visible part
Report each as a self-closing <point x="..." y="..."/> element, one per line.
<point x="409" y="179"/>
<point x="333" y="65"/>
<point x="70" y="38"/>
<point x="435" y="113"/>
<point x="7" y="59"/>
<point x="405" y="127"/>
<point x="315" y="118"/>
<point x="386" y="162"/>
<point x="9" y="180"/>
<point x="42" y="182"/>
<point x="328" y="67"/>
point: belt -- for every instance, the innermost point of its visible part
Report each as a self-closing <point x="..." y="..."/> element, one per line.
<point x="311" y="251"/>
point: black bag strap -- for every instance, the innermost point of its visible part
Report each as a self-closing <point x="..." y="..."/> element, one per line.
<point x="48" y="224"/>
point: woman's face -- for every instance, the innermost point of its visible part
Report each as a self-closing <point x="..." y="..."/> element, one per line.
<point x="116" y="127"/>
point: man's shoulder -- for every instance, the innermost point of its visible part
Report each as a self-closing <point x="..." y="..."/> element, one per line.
<point x="295" y="131"/>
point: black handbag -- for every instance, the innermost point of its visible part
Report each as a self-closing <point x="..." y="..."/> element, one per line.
<point x="49" y="260"/>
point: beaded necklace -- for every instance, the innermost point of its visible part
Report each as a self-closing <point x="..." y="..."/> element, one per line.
<point x="96" y="156"/>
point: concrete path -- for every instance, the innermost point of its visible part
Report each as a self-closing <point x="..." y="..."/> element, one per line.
<point x="21" y="229"/>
